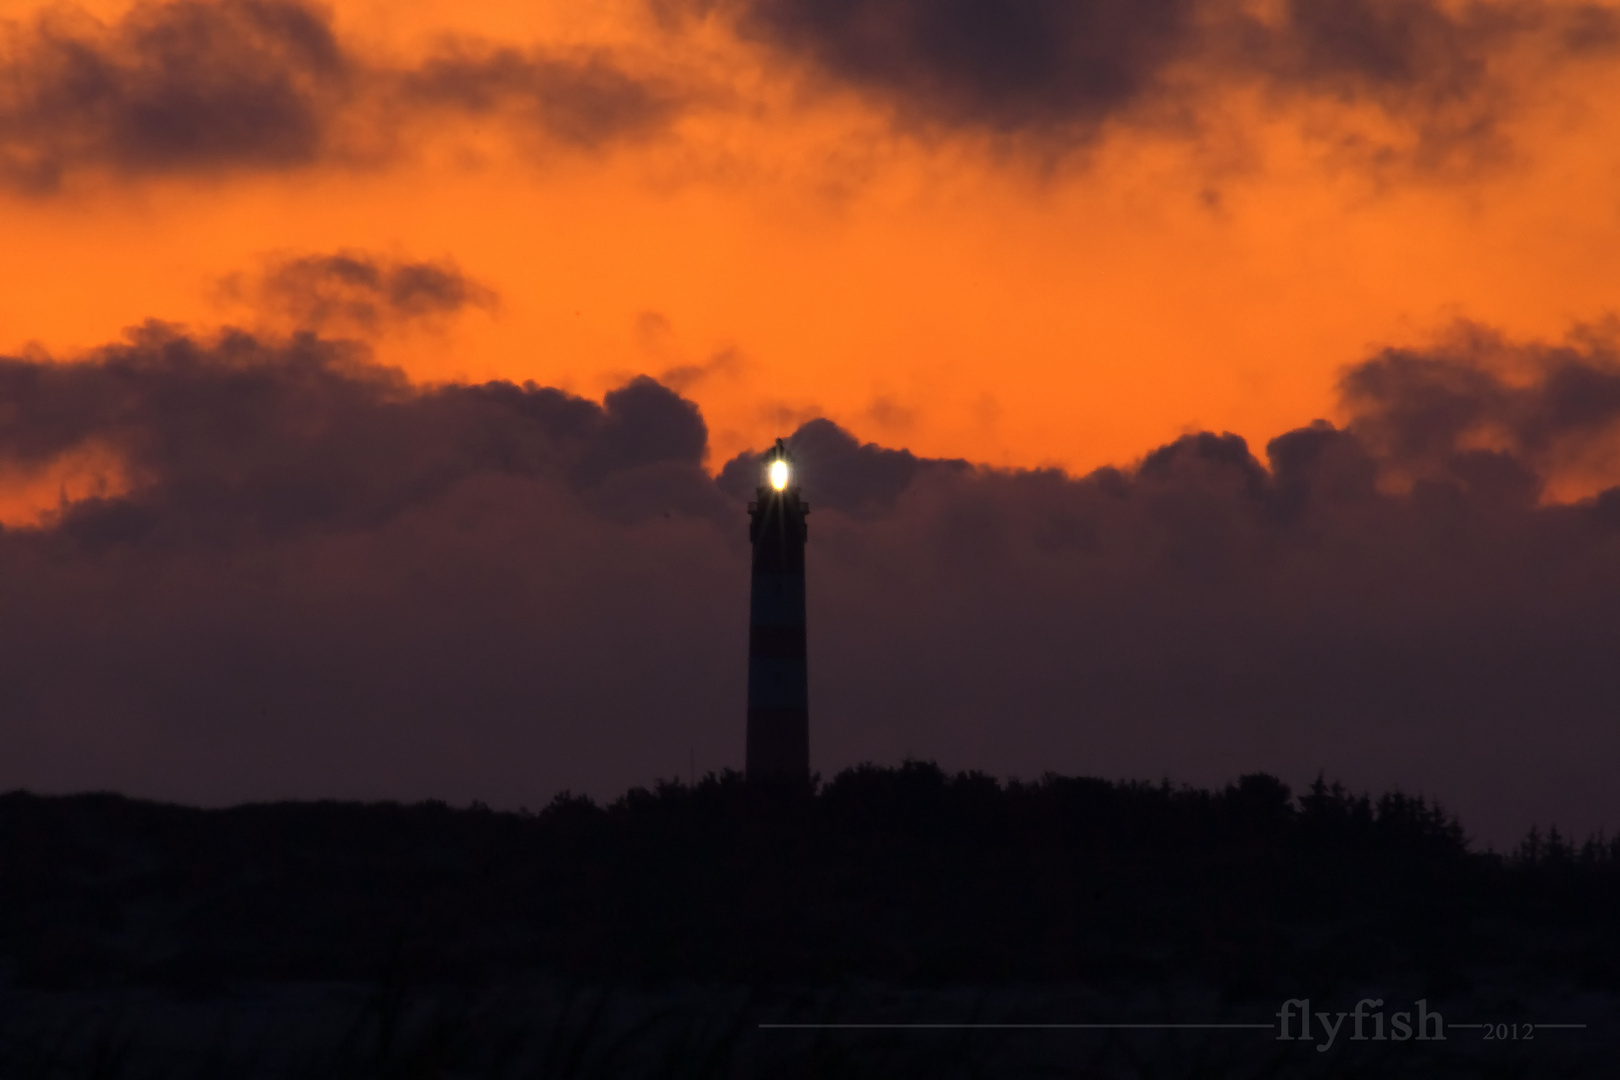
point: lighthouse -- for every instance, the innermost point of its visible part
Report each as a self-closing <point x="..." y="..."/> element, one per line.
<point x="778" y="683"/>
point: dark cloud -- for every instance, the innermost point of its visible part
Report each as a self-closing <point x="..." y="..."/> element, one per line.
<point x="844" y="474"/>
<point x="1056" y="72"/>
<point x="213" y="86"/>
<point x="724" y="363"/>
<point x="1008" y="65"/>
<point x="1444" y="77"/>
<point x="321" y="579"/>
<point x="583" y="101"/>
<point x="239" y="438"/>
<point x="179" y="86"/>
<point x="645" y="424"/>
<point x="356" y="292"/>
<point x="205" y="86"/>
<point x="1546" y="404"/>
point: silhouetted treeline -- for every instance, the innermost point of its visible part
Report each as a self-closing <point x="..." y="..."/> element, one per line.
<point x="898" y="873"/>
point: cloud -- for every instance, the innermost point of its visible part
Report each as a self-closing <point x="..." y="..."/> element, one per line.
<point x="583" y="101"/>
<point x="213" y="86"/>
<point x="723" y="363"/>
<point x="1055" y="74"/>
<point x="1544" y="408"/>
<point x="238" y="437"/>
<point x="179" y="86"/>
<point x="357" y="293"/>
<point x="320" y="579"/>
<point x="854" y="478"/>
<point x="1005" y="66"/>
<point x="216" y="87"/>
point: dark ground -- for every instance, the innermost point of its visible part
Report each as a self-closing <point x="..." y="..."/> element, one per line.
<point x="654" y="937"/>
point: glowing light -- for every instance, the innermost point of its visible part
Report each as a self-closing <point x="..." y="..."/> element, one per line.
<point x="779" y="474"/>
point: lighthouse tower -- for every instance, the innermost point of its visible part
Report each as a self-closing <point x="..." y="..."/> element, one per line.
<point x="778" y="685"/>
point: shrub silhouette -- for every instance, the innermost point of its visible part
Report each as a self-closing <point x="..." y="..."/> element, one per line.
<point x="907" y="873"/>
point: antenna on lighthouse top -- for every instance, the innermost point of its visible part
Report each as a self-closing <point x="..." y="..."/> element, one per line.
<point x="778" y="466"/>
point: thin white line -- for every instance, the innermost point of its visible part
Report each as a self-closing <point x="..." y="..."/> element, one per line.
<point x="1041" y="1027"/>
<point x="1072" y="1027"/>
<point x="1535" y="1025"/>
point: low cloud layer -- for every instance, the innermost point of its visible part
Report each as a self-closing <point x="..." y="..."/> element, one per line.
<point x="319" y="579"/>
<point x="219" y="86"/>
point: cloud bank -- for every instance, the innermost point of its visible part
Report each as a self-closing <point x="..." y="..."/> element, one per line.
<point x="206" y="87"/>
<point x="1434" y="78"/>
<point x="226" y="87"/>
<point x="319" y="579"/>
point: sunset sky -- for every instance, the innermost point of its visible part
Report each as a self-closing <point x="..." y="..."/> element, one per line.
<point x="1027" y="234"/>
<point x="793" y="211"/>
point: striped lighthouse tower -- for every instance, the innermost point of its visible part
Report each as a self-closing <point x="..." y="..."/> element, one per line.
<point x="778" y="685"/>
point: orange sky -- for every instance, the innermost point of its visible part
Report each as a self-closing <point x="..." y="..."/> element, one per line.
<point x="929" y="292"/>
